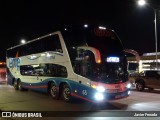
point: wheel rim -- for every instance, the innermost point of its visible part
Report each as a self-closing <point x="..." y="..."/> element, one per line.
<point x="66" y="93"/>
<point x="15" y="84"/>
<point x="19" y="86"/>
<point x="53" y="91"/>
<point x="139" y="86"/>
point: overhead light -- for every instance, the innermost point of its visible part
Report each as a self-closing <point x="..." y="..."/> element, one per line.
<point x="141" y="2"/>
<point x="102" y="28"/>
<point x="85" y="25"/>
<point x="23" y="41"/>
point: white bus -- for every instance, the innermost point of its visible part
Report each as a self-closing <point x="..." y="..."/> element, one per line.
<point x="85" y="62"/>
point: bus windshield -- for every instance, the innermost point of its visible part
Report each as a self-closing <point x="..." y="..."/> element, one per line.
<point x="113" y="65"/>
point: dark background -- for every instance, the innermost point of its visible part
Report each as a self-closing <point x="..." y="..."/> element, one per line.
<point x="31" y="19"/>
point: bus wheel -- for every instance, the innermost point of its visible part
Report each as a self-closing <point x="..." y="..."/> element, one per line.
<point x="20" y="85"/>
<point x="15" y="84"/>
<point x="54" y="91"/>
<point x="139" y="86"/>
<point x="66" y="93"/>
<point x="151" y="88"/>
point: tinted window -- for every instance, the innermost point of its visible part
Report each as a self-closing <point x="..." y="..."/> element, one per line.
<point x="27" y="70"/>
<point x="50" y="43"/>
<point x="50" y="70"/>
<point x="152" y="74"/>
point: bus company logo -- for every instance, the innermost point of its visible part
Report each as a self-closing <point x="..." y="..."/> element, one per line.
<point x="103" y="33"/>
<point x="14" y="63"/>
<point x="6" y="114"/>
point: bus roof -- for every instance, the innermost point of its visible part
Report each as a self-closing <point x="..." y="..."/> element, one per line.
<point x="50" y="34"/>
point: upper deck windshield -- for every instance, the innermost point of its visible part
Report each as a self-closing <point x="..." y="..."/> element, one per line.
<point x="109" y="46"/>
<point x="105" y="40"/>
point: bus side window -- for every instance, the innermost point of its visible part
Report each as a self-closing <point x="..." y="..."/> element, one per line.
<point x="27" y="70"/>
<point x="48" y="70"/>
<point x="63" y="71"/>
<point x="54" y="70"/>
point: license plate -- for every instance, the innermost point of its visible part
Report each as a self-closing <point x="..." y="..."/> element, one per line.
<point x="113" y="90"/>
<point x="118" y="96"/>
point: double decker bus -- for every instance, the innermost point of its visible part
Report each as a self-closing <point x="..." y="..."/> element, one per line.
<point x="84" y="62"/>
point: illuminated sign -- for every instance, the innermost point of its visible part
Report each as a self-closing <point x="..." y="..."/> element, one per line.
<point x="103" y="33"/>
<point x="113" y="59"/>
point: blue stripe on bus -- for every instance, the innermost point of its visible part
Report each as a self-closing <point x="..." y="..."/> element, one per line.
<point x="76" y="89"/>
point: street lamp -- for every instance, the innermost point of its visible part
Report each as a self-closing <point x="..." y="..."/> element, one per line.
<point x="23" y="41"/>
<point x="142" y="3"/>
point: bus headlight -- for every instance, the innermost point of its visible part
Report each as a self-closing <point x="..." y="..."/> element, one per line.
<point x="100" y="89"/>
<point x="99" y="96"/>
<point x="128" y="85"/>
<point x="129" y="92"/>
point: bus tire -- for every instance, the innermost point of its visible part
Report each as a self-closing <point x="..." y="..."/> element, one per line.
<point x="54" y="91"/>
<point x="66" y="93"/>
<point x="151" y="88"/>
<point x="139" y="86"/>
<point x="15" y="84"/>
<point x="20" y="85"/>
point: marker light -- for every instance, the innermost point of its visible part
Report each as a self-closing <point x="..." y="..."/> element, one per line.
<point x="128" y="85"/>
<point x="94" y="86"/>
<point x="99" y="96"/>
<point x="100" y="89"/>
<point x="98" y="61"/>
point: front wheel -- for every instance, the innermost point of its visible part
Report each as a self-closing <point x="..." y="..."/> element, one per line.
<point x="66" y="93"/>
<point x="151" y="88"/>
<point x="139" y="86"/>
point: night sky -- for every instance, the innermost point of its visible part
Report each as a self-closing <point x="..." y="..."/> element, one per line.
<point x="31" y="19"/>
